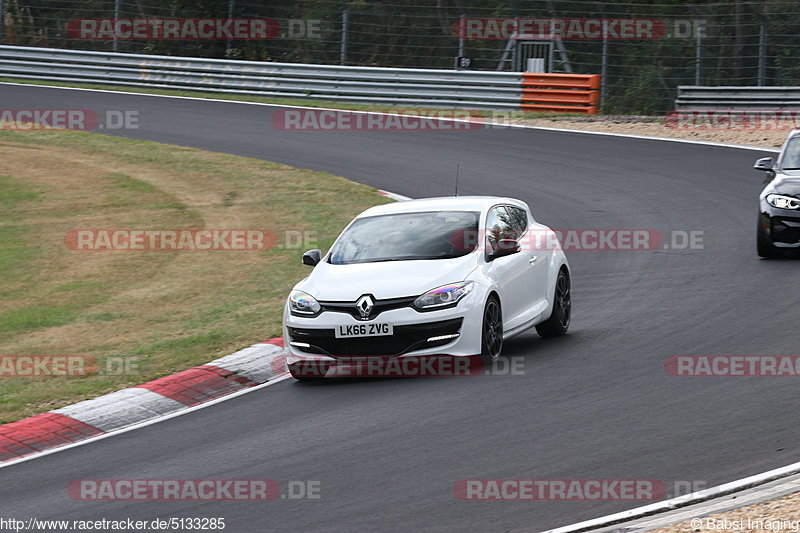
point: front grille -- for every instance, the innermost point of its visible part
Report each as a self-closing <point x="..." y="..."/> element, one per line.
<point x="405" y="339"/>
<point x="379" y="307"/>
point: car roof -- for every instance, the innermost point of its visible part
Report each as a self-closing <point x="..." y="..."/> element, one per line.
<point x="444" y="203"/>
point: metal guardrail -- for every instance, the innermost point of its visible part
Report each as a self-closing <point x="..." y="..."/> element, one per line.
<point x="393" y="86"/>
<point x="692" y="98"/>
<point x="443" y="88"/>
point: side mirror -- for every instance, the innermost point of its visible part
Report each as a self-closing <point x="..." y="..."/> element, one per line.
<point x="504" y="247"/>
<point x="764" y="164"/>
<point x="312" y="257"/>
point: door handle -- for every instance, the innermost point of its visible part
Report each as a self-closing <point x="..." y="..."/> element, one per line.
<point x="533" y="259"/>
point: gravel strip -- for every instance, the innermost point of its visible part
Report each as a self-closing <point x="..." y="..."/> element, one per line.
<point x="772" y="516"/>
<point x="654" y="126"/>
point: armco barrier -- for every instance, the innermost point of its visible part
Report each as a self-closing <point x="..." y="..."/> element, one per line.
<point x="693" y="98"/>
<point x="393" y="86"/>
<point x="575" y="93"/>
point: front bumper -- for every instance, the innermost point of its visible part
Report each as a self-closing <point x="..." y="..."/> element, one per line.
<point x="406" y="338"/>
<point x="454" y="331"/>
<point x="782" y="228"/>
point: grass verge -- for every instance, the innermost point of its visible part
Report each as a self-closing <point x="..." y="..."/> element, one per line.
<point x="163" y="311"/>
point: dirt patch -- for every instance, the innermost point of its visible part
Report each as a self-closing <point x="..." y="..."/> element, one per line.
<point x="656" y="127"/>
<point x="773" y="516"/>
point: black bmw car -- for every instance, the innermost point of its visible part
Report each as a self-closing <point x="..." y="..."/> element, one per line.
<point x="779" y="219"/>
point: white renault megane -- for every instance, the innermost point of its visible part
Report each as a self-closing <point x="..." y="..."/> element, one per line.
<point x="437" y="276"/>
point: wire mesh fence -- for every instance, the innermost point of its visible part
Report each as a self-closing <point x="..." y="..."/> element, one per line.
<point x="671" y="43"/>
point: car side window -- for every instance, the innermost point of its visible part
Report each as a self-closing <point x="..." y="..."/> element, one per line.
<point x="498" y="226"/>
<point x="791" y="155"/>
<point x="518" y="219"/>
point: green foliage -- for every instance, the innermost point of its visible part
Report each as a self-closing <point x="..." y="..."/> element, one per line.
<point x="642" y="75"/>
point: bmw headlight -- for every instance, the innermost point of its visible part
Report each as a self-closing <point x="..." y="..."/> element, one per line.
<point x="303" y="304"/>
<point x="783" y="202"/>
<point x="443" y="296"/>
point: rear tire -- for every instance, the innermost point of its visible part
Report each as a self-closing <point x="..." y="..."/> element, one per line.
<point x="492" y="330"/>
<point x="559" y="320"/>
<point x="764" y="245"/>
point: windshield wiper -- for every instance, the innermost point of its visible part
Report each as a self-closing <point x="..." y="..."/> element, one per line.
<point x="378" y="260"/>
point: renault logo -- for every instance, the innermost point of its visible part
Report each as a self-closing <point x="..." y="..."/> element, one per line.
<point x="364" y="305"/>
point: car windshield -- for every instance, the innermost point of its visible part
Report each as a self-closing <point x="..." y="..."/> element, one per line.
<point x="407" y="236"/>
<point x="791" y="155"/>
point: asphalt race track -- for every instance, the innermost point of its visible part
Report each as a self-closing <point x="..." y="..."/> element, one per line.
<point x="595" y="404"/>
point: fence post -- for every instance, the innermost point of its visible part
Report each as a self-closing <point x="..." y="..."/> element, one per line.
<point x="461" y="36"/>
<point x="230" y="16"/>
<point x="700" y="28"/>
<point x="604" y="58"/>
<point x="345" y="28"/>
<point x="115" y="45"/>
<point x="762" y="52"/>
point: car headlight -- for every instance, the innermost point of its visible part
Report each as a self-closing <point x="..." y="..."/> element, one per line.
<point x="303" y="304"/>
<point x="783" y="202"/>
<point x="443" y="296"/>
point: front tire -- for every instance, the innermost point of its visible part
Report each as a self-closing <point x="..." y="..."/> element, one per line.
<point x="492" y="331"/>
<point x="559" y="320"/>
<point x="764" y="246"/>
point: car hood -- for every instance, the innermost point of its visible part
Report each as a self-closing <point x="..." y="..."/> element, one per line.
<point x="389" y="279"/>
<point x="788" y="185"/>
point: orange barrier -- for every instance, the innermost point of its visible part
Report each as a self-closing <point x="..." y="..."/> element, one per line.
<point x="572" y="93"/>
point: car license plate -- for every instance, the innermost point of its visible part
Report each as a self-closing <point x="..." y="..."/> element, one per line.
<point x="363" y="330"/>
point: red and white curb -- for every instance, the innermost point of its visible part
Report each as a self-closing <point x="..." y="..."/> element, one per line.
<point x="162" y="398"/>
<point x="245" y="369"/>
